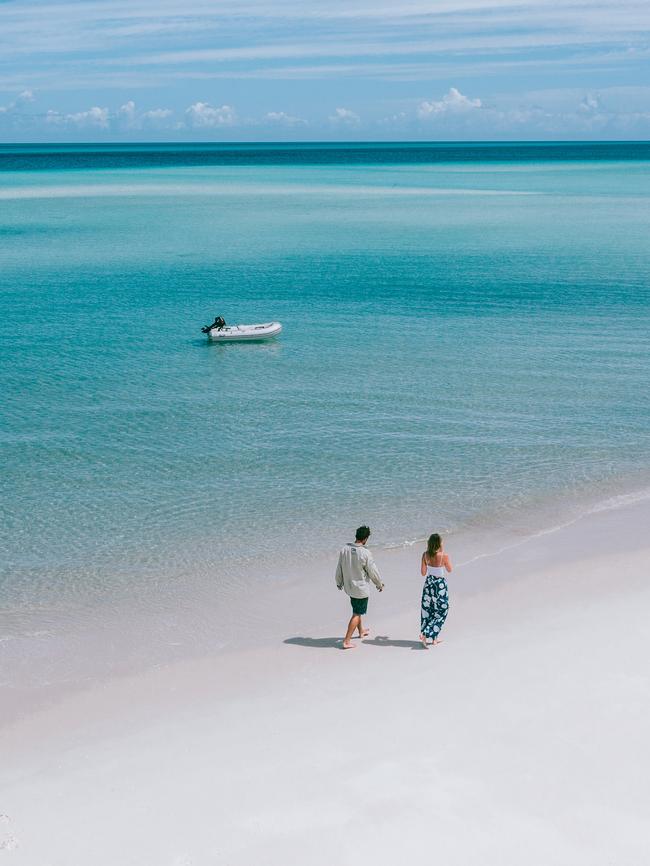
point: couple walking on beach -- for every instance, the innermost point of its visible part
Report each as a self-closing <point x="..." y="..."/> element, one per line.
<point x="356" y="570"/>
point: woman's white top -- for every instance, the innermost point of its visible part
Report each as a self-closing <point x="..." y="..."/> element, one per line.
<point x="435" y="570"/>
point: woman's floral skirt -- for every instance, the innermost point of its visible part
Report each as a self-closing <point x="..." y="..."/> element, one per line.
<point x="435" y="606"/>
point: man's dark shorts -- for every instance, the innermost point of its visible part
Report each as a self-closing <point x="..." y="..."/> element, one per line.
<point x="359" y="605"/>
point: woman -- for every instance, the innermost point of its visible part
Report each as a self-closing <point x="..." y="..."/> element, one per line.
<point x="435" y="594"/>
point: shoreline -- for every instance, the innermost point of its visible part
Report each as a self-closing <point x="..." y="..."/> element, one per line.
<point x="100" y="657"/>
<point x="542" y="678"/>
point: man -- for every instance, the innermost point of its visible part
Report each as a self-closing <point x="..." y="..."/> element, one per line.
<point x="355" y="569"/>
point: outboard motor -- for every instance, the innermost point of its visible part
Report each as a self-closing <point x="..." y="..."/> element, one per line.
<point x="219" y="323"/>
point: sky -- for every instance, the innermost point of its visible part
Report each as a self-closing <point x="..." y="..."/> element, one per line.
<point x="319" y="70"/>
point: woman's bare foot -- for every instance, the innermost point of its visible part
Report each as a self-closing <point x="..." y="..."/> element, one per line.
<point x="437" y="641"/>
<point x="423" y="641"/>
<point x="349" y="645"/>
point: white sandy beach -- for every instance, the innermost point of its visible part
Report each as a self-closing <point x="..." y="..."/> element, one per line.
<point x="522" y="739"/>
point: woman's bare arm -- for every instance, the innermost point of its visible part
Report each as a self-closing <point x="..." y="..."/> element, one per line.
<point x="447" y="563"/>
<point x="423" y="565"/>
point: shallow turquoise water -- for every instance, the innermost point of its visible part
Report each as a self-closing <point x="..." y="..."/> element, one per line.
<point x="461" y="339"/>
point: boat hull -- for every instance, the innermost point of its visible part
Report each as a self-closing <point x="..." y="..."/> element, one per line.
<point x="245" y="333"/>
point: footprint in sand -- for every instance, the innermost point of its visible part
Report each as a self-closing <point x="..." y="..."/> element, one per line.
<point x="7" y="841"/>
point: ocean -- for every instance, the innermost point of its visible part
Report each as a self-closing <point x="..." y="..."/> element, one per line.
<point x="465" y="346"/>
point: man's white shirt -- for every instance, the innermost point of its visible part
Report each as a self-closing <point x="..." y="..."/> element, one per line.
<point x="355" y="570"/>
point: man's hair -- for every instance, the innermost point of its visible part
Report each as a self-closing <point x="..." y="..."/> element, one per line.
<point x="362" y="533"/>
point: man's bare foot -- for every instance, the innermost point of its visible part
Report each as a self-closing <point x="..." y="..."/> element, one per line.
<point x="365" y="632"/>
<point x="349" y="645"/>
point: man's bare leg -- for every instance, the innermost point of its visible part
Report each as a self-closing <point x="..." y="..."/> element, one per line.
<point x="363" y="632"/>
<point x="355" y="619"/>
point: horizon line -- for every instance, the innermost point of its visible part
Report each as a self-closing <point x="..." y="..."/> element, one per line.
<point x="328" y="143"/>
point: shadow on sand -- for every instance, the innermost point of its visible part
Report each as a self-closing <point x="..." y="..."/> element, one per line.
<point x="317" y="642"/>
<point x="336" y="642"/>
<point x="384" y="640"/>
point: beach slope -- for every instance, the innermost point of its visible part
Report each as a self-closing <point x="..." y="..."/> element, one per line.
<point x="522" y="739"/>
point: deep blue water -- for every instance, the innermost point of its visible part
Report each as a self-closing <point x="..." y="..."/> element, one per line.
<point x="29" y="157"/>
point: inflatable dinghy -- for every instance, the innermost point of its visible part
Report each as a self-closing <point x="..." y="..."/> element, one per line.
<point x="232" y="333"/>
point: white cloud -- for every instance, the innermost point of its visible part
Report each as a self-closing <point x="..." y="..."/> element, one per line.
<point x="94" y="118"/>
<point x="398" y="119"/>
<point x="126" y="117"/>
<point x="202" y="114"/>
<point x="126" y="114"/>
<point x="157" y="118"/>
<point x="283" y="119"/>
<point x="453" y="102"/>
<point x="589" y="104"/>
<point x="543" y="114"/>
<point x="345" y="117"/>
<point x="24" y="97"/>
